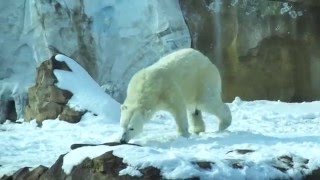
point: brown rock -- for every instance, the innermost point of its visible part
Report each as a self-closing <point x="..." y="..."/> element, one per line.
<point x="29" y="113"/>
<point x="205" y="165"/>
<point x="55" y="172"/>
<point x="263" y="54"/>
<point x="45" y="76"/>
<point x="70" y="115"/>
<point x="20" y="174"/>
<point x="151" y="173"/>
<point x="36" y="173"/>
<point x="32" y="93"/>
<point x="47" y="101"/>
<point x="57" y="95"/>
<point x="48" y="110"/>
<point x="104" y="167"/>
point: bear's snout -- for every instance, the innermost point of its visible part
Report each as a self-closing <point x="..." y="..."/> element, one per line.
<point x="123" y="139"/>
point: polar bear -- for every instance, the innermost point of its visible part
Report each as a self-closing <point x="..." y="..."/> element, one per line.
<point x="183" y="83"/>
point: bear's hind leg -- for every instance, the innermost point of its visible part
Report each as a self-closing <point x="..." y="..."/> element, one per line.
<point x="216" y="107"/>
<point x="224" y="114"/>
<point x="196" y="121"/>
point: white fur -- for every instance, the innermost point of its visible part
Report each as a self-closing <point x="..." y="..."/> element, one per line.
<point x="183" y="83"/>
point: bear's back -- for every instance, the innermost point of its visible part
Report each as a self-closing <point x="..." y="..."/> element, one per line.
<point x="187" y="68"/>
<point x="184" y="63"/>
<point x="182" y="57"/>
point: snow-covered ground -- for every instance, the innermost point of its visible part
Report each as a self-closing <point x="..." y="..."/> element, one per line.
<point x="271" y="129"/>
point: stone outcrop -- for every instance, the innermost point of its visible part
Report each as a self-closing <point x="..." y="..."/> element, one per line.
<point x="264" y="49"/>
<point x="104" y="167"/>
<point x="26" y="174"/>
<point x="108" y="166"/>
<point x="47" y="101"/>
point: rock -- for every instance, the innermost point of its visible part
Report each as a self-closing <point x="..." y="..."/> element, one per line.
<point x="48" y="110"/>
<point x="57" y="96"/>
<point x="287" y="162"/>
<point x="315" y="175"/>
<point x="55" y="172"/>
<point x="237" y="165"/>
<point x="241" y="151"/>
<point x="46" y="100"/>
<point x="263" y="53"/>
<point x="36" y="173"/>
<point x="75" y="146"/>
<point x="151" y="173"/>
<point x="71" y="115"/>
<point x="3" y="111"/>
<point x="20" y="174"/>
<point x="106" y="166"/>
<point x="205" y="165"/>
<point x="26" y="174"/>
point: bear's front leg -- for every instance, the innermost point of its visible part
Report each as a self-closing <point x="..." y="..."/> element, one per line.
<point x="182" y="124"/>
<point x="179" y="113"/>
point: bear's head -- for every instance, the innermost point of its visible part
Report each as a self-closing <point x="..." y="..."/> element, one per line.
<point x="132" y="120"/>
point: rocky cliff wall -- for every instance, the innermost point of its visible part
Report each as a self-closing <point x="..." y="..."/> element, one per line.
<point x="264" y="49"/>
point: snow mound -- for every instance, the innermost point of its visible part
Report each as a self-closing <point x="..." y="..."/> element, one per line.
<point x="87" y="94"/>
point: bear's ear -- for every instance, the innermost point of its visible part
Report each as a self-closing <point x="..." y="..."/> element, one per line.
<point x="123" y="107"/>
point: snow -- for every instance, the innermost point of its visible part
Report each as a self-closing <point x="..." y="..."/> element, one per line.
<point x="130" y="170"/>
<point x="270" y="128"/>
<point x="87" y="94"/>
<point x="77" y="156"/>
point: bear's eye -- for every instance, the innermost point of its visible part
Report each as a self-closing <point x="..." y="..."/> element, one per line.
<point x="131" y="129"/>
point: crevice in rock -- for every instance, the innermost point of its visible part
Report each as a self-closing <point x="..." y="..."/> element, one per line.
<point x="7" y="111"/>
<point x="11" y="111"/>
